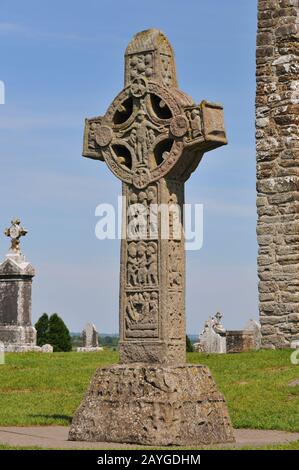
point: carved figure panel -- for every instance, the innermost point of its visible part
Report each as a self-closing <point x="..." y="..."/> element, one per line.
<point x="141" y="315"/>
<point x="142" y="213"/>
<point x="195" y="127"/>
<point x="141" y="65"/>
<point x="142" y="264"/>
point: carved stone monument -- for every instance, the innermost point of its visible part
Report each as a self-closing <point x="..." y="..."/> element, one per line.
<point x="238" y="341"/>
<point x="152" y="138"/>
<point x="213" y="337"/>
<point x="255" y="327"/>
<point x="16" y="331"/>
<point x="216" y="339"/>
<point x="248" y="339"/>
<point x="277" y="131"/>
<point x="90" y="339"/>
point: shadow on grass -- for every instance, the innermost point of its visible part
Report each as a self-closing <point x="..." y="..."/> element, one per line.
<point x="65" y="418"/>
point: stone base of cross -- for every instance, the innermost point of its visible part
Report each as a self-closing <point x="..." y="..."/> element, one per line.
<point x="153" y="405"/>
<point x="152" y="138"/>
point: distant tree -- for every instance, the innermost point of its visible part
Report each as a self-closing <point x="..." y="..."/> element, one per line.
<point x="76" y="340"/>
<point x="189" y="345"/>
<point x="58" y="335"/>
<point x="42" y="330"/>
<point x="109" y="341"/>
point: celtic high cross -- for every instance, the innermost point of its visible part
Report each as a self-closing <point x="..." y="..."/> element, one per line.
<point x="152" y="138"/>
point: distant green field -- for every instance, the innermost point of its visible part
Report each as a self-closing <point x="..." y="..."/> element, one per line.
<point x="45" y="389"/>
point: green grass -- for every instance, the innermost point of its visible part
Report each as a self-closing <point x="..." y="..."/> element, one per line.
<point x="46" y="389"/>
<point x="255" y="385"/>
<point x="7" y="447"/>
<point x="289" y="446"/>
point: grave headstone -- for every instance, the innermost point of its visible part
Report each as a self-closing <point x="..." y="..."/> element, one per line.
<point x="213" y="337"/>
<point x="47" y="348"/>
<point x="238" y="341"/>
<point x="16" y="274"/>
<point x="255" y="327"/>
<point x="90" y="339"/>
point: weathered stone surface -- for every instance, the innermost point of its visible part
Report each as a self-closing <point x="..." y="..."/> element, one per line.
<point x="213" y="337"/>
<point x="17" y="334"/>
<point x="240" y="341"/>
<point x="294" y="383"/>
<point x="152" y="138"/>
<point x="90" y="338"/>
<point x="254" y="327"/>
<point x="47" y="348"/>
<point x="22" y="348"/>
<point x="153" y="405"/>
<point x="82" y="349"/>
<point x="277" y="130"/>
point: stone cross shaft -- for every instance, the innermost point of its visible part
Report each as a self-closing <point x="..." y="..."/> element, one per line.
<point x="152" y="138"/>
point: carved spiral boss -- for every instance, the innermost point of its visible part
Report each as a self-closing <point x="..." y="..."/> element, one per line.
<point x="152" y="138"/>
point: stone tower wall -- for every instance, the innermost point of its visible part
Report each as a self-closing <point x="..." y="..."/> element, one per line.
<point x="277" y="144"/>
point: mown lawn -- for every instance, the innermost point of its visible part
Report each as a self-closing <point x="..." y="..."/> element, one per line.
<point x="45" y="389"/>
<point x="255" y="386"/>
<point x="290" y="446"/>
<point x="41" y="389"/>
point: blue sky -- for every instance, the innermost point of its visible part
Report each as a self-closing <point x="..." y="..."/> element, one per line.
<point x="62" y="61"/>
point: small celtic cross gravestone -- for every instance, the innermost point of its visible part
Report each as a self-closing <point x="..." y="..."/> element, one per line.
<point x="152" y="138"/>
<point x="15" y="232"/>
<point x="16" y="274"/>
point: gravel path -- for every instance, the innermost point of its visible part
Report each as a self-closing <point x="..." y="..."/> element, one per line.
<point x="56" y="437"/>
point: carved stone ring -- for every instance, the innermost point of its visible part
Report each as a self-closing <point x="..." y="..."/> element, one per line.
<point x="149" y="128"/>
